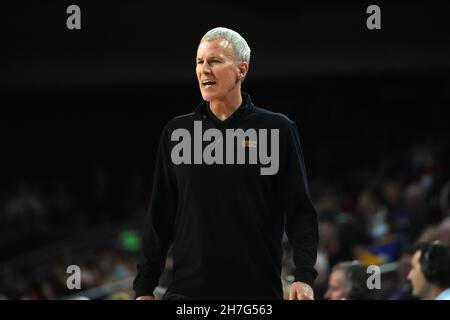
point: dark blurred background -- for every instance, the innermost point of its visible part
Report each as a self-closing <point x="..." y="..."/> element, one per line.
<point x="82" y="111"/>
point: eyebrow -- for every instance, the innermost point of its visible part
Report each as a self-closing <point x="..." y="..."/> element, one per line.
<point x="209" y="58"/>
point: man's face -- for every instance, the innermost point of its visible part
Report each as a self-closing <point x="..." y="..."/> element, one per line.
<point x="404" y="266"/>
<point x="217" y="65"/>
<point x="418" y="281"/>
<point x="337" y="286"/>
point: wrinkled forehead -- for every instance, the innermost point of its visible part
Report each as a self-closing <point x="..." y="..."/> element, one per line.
<point x="216" y="47"/>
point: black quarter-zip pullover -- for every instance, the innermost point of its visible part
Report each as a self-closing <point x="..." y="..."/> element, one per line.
<point x="226" y="221"/>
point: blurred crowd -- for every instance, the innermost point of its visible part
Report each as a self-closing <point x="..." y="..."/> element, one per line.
<point x="49" y="224"/>
<point x="372" y="214"/>
<point x="376" y="215"/>
<point x="109" y="267"/>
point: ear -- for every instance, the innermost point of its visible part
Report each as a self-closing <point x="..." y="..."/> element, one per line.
<point x="243" y="69"/>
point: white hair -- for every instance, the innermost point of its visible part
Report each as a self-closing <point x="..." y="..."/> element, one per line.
<point x="238" y="43"/>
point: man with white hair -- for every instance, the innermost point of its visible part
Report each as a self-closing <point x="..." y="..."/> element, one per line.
<point x="216" y="201"/>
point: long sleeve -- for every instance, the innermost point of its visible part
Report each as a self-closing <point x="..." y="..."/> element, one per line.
<point x="158" y="228"/>
<point x="301" y="217"/>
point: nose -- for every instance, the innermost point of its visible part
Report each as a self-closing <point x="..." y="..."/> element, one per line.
<point x="409" y="275"/>
<point x="205" y="68"/>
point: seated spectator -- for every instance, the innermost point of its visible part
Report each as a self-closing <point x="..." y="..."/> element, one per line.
<point x="348" y="281"/>
<point x="401" y="289"/>
<point x="430" y="272"/>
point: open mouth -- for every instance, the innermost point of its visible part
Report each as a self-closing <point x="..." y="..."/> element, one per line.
<point x="208" y="83"/>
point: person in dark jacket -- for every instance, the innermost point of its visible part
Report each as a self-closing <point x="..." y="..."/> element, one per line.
<point x="229" y="181"/>
<point x="430" y="271"/>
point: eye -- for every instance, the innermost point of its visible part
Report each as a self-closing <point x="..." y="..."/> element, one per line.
<point x="199" y="61"/>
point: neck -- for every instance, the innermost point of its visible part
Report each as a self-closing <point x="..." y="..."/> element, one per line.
<point x="433" y="292"/>
<point x="224" y="107"/>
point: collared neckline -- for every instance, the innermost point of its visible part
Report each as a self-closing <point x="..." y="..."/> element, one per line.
<point x="204" y="110"/>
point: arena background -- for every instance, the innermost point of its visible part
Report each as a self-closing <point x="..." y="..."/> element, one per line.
<point x="82" y="112"/>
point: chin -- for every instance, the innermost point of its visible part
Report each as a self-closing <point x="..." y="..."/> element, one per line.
<point x="208" y="96"/>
